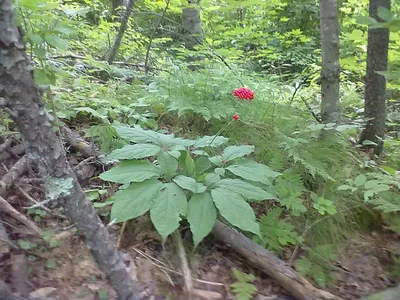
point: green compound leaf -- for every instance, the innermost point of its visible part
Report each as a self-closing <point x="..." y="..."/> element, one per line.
<point x="131" y="171"/>
<point x="188" y="183"/>
<point x="136" y="151"/>
<point x="232" y="152"/>
<point x="247" y="190"/>
<point x="167" y="209"/>
<point x="201" y="215"/>
<point x="134" y="201"/>
<point x="235" y="210"/>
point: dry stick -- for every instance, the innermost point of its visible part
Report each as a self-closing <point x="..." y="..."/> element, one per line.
<point x="5" y="145"/>
<point x="18" y="87"/>
<point x="7" y="208"/>
<point x="270" y="264"/>
<point x="161" y="265"/>
<point x="13" y="174"/>
<point x="80" y="144"/>
<point x="187" y="277"/>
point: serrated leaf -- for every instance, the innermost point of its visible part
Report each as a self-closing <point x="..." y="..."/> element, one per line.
<point x="344" y="187"/>
<point x="202" y="164"/>
<point x="167" y="209"/>
<point x="232" y="152"/>
<point x="235" y="210"/>
<point x="220" y="171"/>
<point x="136" y="151"/>
<point x="205" y="141"/>
<point x="247" y="190"/>
<point x="201" y="215"/>
<point x="168" y="164"/>
<point x="131" y="171"/>
<point x="303" y="266"/>
<point x="253" y="171"/>
<point x="188" y="183"/>
<point x="135" y="200"/>
<point x="365" y="20"/>
<point x="136" y="134"/>
<point x="56" y="42"/>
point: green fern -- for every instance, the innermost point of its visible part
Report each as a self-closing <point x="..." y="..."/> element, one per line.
<point x="276" y="233"/>
<point x="243" y="288"/>
<point x="317" y="264"/>
<point x="106" y="137"/>
<point x="290" y="188"/>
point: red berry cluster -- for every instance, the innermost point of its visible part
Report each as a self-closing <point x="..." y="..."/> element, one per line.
<point x="243" y="93"/>
<point x="236" y="117"/>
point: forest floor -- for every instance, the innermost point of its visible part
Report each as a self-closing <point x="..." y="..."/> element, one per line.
<point x="61" y="267"/>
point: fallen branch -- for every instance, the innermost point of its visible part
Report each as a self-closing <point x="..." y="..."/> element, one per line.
<point x="187" y="277"/>
<point x="7" y="208"/>
<point x="78" y="143"/>
<point x="15" y="151"/>
<point x="389" y="294"/>
<point x="270" y="264"/>
<point x="13" y="174"/>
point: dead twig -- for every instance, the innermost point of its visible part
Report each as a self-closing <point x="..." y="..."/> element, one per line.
<point x="159" y="264"/>
<point x="6" y="145"/>
<point x="16" y="171"/>
<point x="7" y="208"/>
<point x="187" y="277"/>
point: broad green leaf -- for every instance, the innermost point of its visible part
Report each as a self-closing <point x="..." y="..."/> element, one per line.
<point x="210" y="141"/>
<point x="56" y="42"/>
<point x="217" y="160"/>
<point x="135" y="200"/>
<point x="385" y="14"/>
<point x="253" y="171"/>
<point x="233" y="152"/>
<point x="175" y="153"/>
<point x="188" y="183"/>
<point x="131" y="170"/>
<point x="136" y="134"/>
<point x="211" y="179"/>
<point x="168" y="164"/>
<point x="136" y="151"/>
<point x="247" y="190"/>
<point x="235" y="210"/>
<point x="167" y="209"/>
<point x="201" y="214"/>
<point x="219" y="171"/>
<point x="360" y="180"/>
<point x="187" y="162"/>
<point x="202" y="164"/>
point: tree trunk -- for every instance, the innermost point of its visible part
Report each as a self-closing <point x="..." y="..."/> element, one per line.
<point x="121" y="32"/>
<point x="45" y="149"/>
<point x="192" y="25"/>
<point x="330" y="73"/>
<point x="375" y="84"/>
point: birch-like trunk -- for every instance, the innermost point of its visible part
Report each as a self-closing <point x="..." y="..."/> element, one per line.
<point x="192" y="25"/>
<point x="375" y="84"/>
<point x="330" y="73"/>
<point x="22" y="99"/>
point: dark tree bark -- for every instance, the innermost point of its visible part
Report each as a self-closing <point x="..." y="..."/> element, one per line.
<point x="330" y="73"/>
<point x="121" y="32"/>
<point x="44" y="148"/>
<point x="375" y="84"/>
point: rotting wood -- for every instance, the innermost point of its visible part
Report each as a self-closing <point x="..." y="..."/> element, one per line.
<point x="19" y="274"/>
<point x="270" y="264"/>
<point x="43" y="146"/>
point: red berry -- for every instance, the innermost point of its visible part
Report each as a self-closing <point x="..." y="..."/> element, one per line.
<point x="236" y="117"/>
